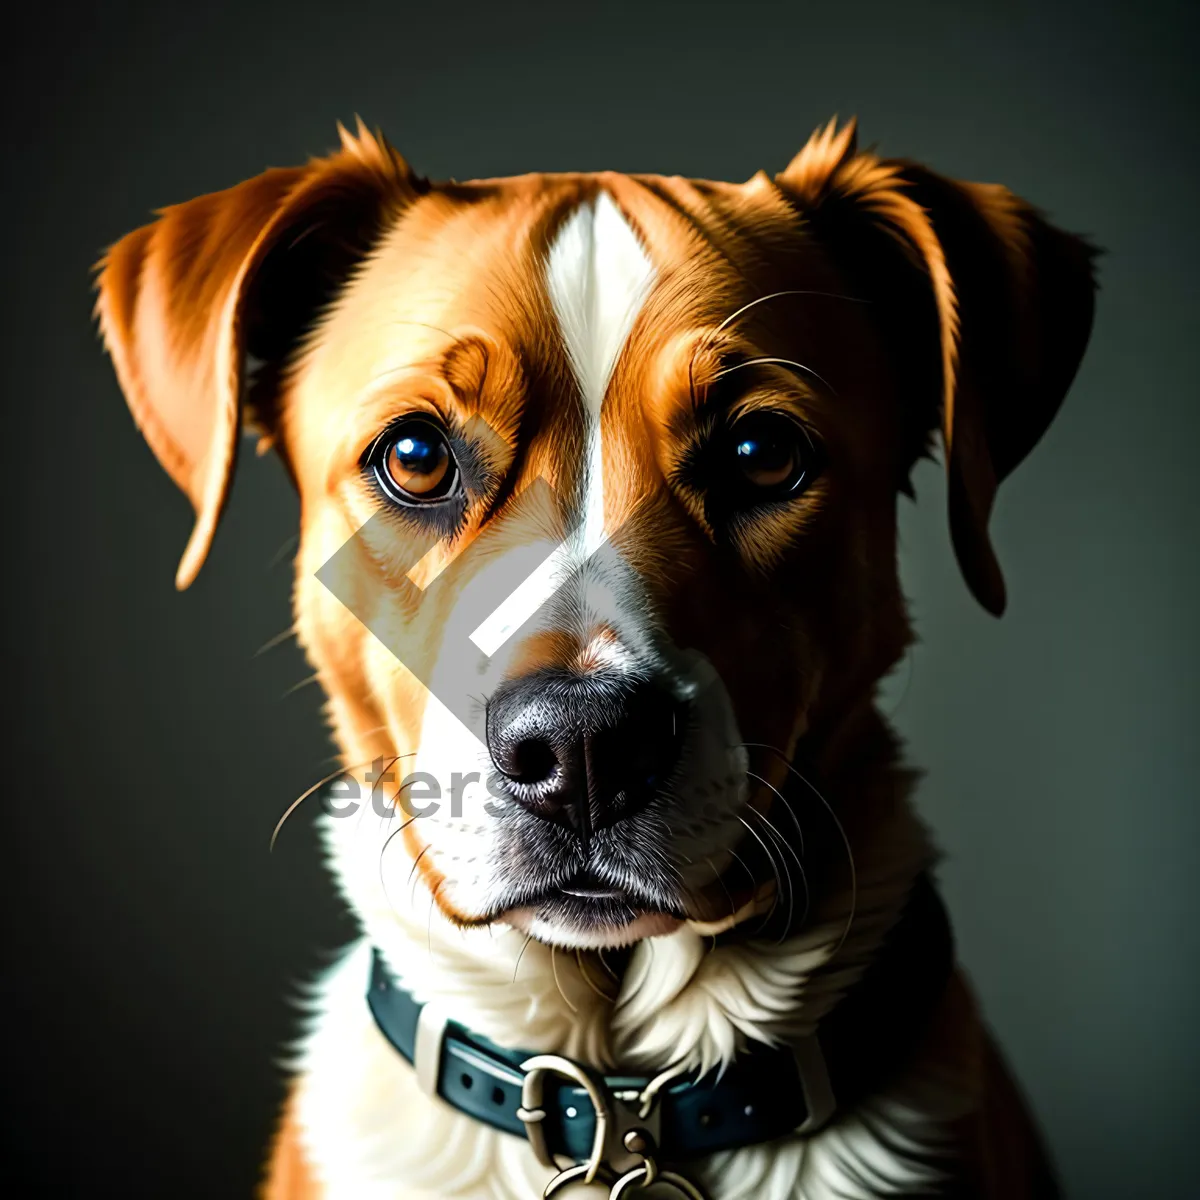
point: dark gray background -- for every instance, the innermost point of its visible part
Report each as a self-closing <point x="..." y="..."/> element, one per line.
<point x="151" y="942"/>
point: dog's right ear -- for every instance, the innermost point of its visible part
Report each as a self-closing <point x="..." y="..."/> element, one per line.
<point x="229" y="277"/>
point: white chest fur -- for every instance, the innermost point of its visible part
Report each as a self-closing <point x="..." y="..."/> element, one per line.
<point x="370" y="1132"/>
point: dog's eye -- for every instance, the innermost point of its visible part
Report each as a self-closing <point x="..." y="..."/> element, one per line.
<point x="414" y="464"/>
<point x="769" y="456"/>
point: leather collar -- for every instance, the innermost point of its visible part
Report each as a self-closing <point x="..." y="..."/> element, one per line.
<point x="767" y="1092"/>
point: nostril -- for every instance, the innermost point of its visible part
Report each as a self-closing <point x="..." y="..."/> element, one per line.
<point x="529" y="761"/>
<point x="585" y="751"/>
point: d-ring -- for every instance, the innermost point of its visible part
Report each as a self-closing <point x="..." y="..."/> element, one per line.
<point x="576" y="1174"/>
<point x="640" y="1176"/>
<point x="533" y="1115"/>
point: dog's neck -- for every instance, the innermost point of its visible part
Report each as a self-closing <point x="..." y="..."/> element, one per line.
<point x="686" y="998"/>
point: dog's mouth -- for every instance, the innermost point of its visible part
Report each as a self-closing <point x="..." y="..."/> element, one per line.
<point x="586" y="911"/>
<point x="601" y="904"/>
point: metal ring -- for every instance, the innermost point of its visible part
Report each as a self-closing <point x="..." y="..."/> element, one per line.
<point x="533" y="1115"/>
<point x="575" y="1174"/>
<point x="640" y="1176"/>
<point x="650" y="1092"/>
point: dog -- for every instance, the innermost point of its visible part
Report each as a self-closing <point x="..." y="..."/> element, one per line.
<point x="597" y="567"/>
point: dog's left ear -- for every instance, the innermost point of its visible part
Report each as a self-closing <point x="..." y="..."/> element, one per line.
<point x="1012" y="301"/>
<point x="230" y="280"/>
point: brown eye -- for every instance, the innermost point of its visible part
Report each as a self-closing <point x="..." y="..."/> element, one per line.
<point x="414" y="463"/>
<point x="772" y="456"/>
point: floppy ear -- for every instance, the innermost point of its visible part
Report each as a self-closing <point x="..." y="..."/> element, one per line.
<point x="1010" y="300"/>
<point x="229" y="277"/>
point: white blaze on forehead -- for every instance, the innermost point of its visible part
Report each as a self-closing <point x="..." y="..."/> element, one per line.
<point x="598" y="277"/>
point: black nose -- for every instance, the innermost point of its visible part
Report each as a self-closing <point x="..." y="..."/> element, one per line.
<point x="584" y="750"/>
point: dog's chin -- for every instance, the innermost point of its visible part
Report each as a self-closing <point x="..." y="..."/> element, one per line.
<point x="575" y="922"/>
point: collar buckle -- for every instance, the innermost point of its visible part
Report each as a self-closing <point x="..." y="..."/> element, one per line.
<point x="533" y="1117"/>
<point x="626" y="1130"/>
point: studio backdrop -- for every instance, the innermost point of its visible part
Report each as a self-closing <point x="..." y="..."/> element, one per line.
<point x="154" y="949"/>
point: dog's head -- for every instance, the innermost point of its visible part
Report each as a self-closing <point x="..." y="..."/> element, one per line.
<point x="598" y="477"/>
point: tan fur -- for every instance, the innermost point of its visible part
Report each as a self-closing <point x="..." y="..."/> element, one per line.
<point x="288" y="1174"/>
<point x="868" y="298"/>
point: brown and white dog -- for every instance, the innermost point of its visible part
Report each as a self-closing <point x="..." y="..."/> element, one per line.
<point x="598" y="478"/>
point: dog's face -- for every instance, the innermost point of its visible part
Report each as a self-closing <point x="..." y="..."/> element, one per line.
<point x="598" y="479"/>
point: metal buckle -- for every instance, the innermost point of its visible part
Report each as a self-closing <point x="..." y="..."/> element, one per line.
<point x="624" y="1144"/>
<point x="532" y="1114"/>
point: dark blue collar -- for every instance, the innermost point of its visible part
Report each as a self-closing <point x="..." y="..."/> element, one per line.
<point x="767" y="1092"/>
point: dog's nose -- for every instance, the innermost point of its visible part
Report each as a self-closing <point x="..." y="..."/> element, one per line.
<point x="584" y="750"/>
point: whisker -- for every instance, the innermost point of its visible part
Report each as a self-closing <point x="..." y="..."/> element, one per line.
<point x="767" y="359"/>
<point x="391" y="802"/>
<point x="741" y="862"/>
<point x="784" y="845"/>
<point x="367" y="807"/>
<point x="429" y="922"/>
<point x="390" y="811"/>
<point x="417" y="863"/>
<point x="436" y="328"/>
<point x="586" y="977"/>
<point x="841" y="831"/>
<point x="311" y="679"/>
<point x="524" y="947"/>
<point x="295" y="804"/>
<point x="690" y="896"/>
<point x="787" y="807"/>
<point x="721" y="880"/>
<point x="775" y="869"/>
<point x="383" y="853"/>
<point x="607" y="969"/>
<point x="557" y="984"/>
<point x="775" y="296"/>
<point x="292" y="543"/>
<point x="277" y="640"/>
<point x="374" y="730"/>
<point x="703" y="343"/>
